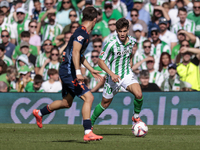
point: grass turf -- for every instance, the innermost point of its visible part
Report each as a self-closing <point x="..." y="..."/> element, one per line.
<point x="70" y="137"/>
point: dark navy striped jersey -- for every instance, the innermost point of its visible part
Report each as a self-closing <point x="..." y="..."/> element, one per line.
<point x="80" y="35"/>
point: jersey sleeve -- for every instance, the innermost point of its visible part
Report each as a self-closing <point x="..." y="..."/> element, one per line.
<point x="80" y="36"/>
<point x="105" y="53"/>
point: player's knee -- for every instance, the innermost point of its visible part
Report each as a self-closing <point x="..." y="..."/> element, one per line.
<point x="138" y="95"/>
<point x="90" y="99"/>
<point x="67" y="105"/>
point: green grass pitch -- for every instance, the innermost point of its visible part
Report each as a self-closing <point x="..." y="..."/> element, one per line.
<point x="116" y="137"/>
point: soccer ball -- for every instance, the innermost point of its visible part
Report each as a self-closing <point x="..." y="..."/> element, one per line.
<point x="139" y="129"/>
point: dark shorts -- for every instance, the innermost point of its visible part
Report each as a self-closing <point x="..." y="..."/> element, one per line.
<point x="71" y="85"/>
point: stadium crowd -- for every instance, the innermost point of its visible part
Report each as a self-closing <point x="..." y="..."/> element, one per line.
<point x="34" y="33"/>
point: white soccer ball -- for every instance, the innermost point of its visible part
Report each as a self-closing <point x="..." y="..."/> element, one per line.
<point x="139" y="129"/>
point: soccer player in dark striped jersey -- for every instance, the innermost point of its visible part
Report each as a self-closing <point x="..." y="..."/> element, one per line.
<point x="72" y="79"/>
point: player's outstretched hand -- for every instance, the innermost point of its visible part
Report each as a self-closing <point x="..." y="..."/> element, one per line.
<point x="96" y="75"/>
<point x="115" y="78"/>
<point x="80" y="78"/>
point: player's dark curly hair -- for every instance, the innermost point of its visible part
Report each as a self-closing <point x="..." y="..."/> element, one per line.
<point x="121" y="23"/>
<point x="89" y="14"/>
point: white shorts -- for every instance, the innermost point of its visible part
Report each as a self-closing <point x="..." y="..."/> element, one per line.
<point x="111" y="88"/>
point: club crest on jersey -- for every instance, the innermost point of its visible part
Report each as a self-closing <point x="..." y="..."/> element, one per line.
<point x="80" y="38"/>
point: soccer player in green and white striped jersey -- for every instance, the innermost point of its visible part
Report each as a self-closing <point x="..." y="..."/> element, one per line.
<point x="118" y="52"/>
<point x="184" y="23"/>
<point x="6" y="59"/>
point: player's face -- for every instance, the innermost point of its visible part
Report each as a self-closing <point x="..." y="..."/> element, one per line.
<point x="196" y="8"/>
<point x="123" y="34"/>
<point x="172" y="72"/>
<point x="144" y="80"/>
<point x="182" y="15"/>
<point x="97" y="46"/>
<point x="165" y="60"/>
<point x="147" y="48"/>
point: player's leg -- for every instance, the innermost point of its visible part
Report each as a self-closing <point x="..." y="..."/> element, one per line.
<point x="86" y="110"/>
<point x="58" y="104"/>
<point x="100" y="108"/>
<point x="135" y="89"/>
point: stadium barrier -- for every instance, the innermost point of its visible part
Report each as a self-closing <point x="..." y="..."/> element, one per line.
<point x="159" y="108"/>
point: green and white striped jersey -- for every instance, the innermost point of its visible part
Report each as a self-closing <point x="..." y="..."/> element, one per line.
<point x="51" y="31"/>
<point x="118" y="55"/>
<point x="40" y="60"/>
<point x="140" y="43"/>
<point x="160" y="48"/>
<point x="189" y="26"/>
<point x="49" y="66"/>
<point x="93" y="81"/>
<point x="156" y="77"/>
<point x="7" y="60"/>
<point x="149" y="7"/>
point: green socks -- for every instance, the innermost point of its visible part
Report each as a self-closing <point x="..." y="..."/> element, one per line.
<point x="138" y="105"/>
<point x="97" y="112"/>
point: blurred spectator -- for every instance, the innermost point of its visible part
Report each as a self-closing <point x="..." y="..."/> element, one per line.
<point x="35" y="39"/>
<point x="128" y="3"/>
<point x="8" y="45"/>
<point x="165" y="60"/>
<point x="4" y="6"/>
<point x="5" y="26"/>
<point x="140" y="60"/>
<point x="173" y="82"/>
<point x="110" y="13"/>
<point x="95" y="34"/>
<point x="3" y="87"/>
<point x="135" y="20"/>
<point x="145" y="85"/>
<point x="158" y="46"/>
<point x="24" y="78"/>
<point x="21" y="24"/>
<point x="175" y="5"/>
<point x="112" y="28"/>
<point x="3" y="67"/>
<point x="96" y="86"/>
<point x="137" y="30"/>
<point x="194" y="16"/>
<point x="101" y="25"/>
<point x="9" y="76"/>
<point x="120" y="6"/>
<point x="52" y="63"/>
<point x="47" y="46"/>
<point x="37" y="10"/>
<point x="25" y="36"/>
<point x="52" y="85"/>
<point x="24" y="48"/>
<point x="155" y="76"/>
<point x="6" y="59"/>
<point x="74" y="26"/>
<point x="158" y="12"/>
<point x="166" y="35"/>
<point x="182" y="34"/>
<point x="143" y="14"/>
<point x="150" y="6"/>
<point x="64" y="11"/>
<point x="23" y="60"/>
<point x="52" y="28"/>
<point x="188" y="70"/>
<point x="72" y="17"/>
<point x="166" y="6"/>
<point x="99" y="4"/>
<point x="67" y="36"/>
<point x="184" y="23"/>
<point x="35" y="86"/>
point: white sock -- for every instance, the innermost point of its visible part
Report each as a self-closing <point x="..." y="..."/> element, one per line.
<point x="87" y="131"/>
<point x="39" y="113"/>
<point x="136" y="115"/>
